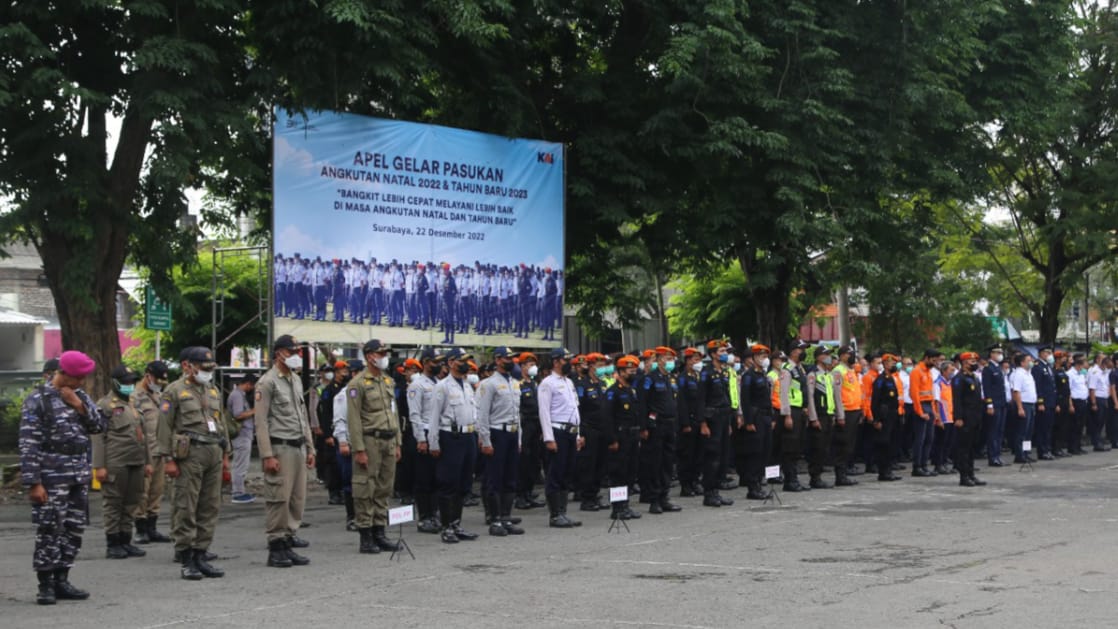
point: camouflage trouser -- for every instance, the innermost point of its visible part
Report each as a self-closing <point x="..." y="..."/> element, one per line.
<point x="153" y="491"/>
<point x="197" y="496"/>
<point x="120" y="493"/>
<point x="61" y="521"/>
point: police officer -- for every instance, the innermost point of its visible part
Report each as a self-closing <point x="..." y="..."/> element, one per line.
<point x="145" y="399"/>
<point x="590" y="463"/>
<point x="968" y="406"/>
<point x="621" y="425"/>
<point x="794" y="401"/>
<point x="498" y="415"/>
<point x="993" y="387"/>
<point x="453" y="444"/>
<point x="715" y="413"/>
<point x="374" y="432"/>
<point x="449" y="293"/>
<point x="824" y="384"/>
<point x="1046" y="402"/>
<point x="690" y="445"/>
<point x="194" y="445"/>
<point x="283" y="437"/>
<point x="120" y="463"/>
<point x="758" y="423"/>
<point x="886" y="404"/>
<point x="658" y="393"/>
<point x="421" y="414"/>
<point x="531" y="438"/>
<point x="850" y="397"/>
<point x="55" y="423"/>
<point x="559" y="423"/>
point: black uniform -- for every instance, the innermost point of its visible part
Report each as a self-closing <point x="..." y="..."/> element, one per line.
<point x="756" y="444"/>
<point x="657" y="396"/>
<point x="531" y="445"/>
<point x="969" y="406"/>
<point x="590" y="462"/>
<point x="886" y="413"/>
<point x="689" y="450"/>
<point x="621" y="425"/>
<point x="715" y="411"/>
<point x="1065" y="419"/>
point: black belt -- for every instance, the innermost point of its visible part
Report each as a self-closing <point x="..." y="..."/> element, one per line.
<point x="204" y="439"/>
<point x="69" y="449"/>
<point x="381" y="434"/>
<point x="294" y="443"/>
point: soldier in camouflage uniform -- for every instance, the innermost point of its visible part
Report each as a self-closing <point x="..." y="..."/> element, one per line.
<point x="120" y="463"/>
<point x="145" y="399"/>
<point x="55" y="424"/>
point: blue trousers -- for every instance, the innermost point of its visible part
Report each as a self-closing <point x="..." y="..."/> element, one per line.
<point x="923" y="433"/>
<point x="1044" y="421"/>
<point x="455" y="462"/>
<point x="996" y="433"/>
<point x="500" y="469"/>
<point x="1024" y="430"/>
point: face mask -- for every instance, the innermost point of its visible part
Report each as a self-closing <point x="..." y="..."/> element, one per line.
<point x="1082" y="372"/>
<point x="609" y="369"/>
<point x="1028" y="365"/>
<point x="155" y="387"/>
<point x="600" y="371"/>
<point x="973" y="367"/>
<point x="1051" y="360"/>
<point x="414" y="377"/>
<point x="630" y="376"/>
<point x="566" y="369"/>
<point x="126" y="389"/>
<point x="895" y="368"/>
<point x="472" y="378"/>
<point x="878" y="368"/>
<point x="850" y="360"/>
<point x="765" y="362"/>
<point x="908" y="369"/>
<point x="382" y="363"/>
<point x="697" y="367"/>
<point x="294" y="362"/>
<point x="533" y="371"/>
<point x="328" y="375"/>
<point x="203" y="377"/>
<point x="669" y="366"/>
<point x="724" y="358"/>
<point x="827" y="360"/>
<point x="462" y="368"/>
<point x="737" y="367"/>
<point x="996" y="358"/>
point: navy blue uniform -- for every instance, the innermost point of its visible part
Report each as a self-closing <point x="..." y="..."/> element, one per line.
<point x="993" y="387"/>
<point x="756" y="444"/>
<point x="590" y="462"/>
<point x="713" y="409"/>
<point x="1045" y="395"/>
<point x="657" y="396"/>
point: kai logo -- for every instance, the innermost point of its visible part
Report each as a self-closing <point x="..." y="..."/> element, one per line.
<point x="545" y="158"/>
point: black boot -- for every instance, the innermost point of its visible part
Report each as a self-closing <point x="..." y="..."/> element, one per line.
<point x="382" y="541"/>
<point x="493" y="516"/>
<point x="842" y="479"/>
<point x="755" y="492"/>
<point x="563" y="509"/>
<point x="190" y="570"/>
<point x="461" y="533"/>
<point x="124" y="541"/>
<point x="153" y="534"/>
<point x="335" y="498"/>
<point x="277" y="554"/>
<point x="141" y="536"/>
<point x="350" y="512"/>
<point x="965" y="481"/>
<point x="817" y="482"/>
<point x="296" y="559"/>
<point x="712" y="499"/>
<point x="64" y="590"/>
<point x="446" y="519"/>
<point x="113" y="549"/>
<point x="507" y="520"/>
<point x="208" y="571"/>
<point x="557" y="519"/>
<point x="46" y="588"/>
<point x="427" y="523"/>
<point x="367" y="545"/>
<point x="974" y="479"/>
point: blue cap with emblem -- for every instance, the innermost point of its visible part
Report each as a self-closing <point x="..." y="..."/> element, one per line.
<point x="431" y="353"/>
<point x="503" y="352"/>
<point x="560" y="353"/>
<point x="457" y="353"/>
<point x="355" y="365"/>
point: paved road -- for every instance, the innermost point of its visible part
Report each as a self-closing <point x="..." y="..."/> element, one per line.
<point x="1033" y="549"/>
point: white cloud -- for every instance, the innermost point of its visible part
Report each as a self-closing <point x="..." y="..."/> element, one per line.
<point x="291" y="241"/>
<point x="549" y="263"/>
<point x="295" y="160"/>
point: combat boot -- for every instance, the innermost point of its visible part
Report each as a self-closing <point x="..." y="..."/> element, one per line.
<point x="113" y="550"/>
<point x="557" y="518"/>
<point x="141" y="536"/>
<point x="504" y="501"/>
<point x="712" y="499"/>
<point x="842" y="479"/>
<point x="123" y="541"/>
<point x="367" y="545"/>
<point x="382" y="541"/>
<point x="189" y="567"/>
<point x="208" y="571"/>
<point x="296" y="559"/>
<point x="755" y="492"/>
<point x="446" y="516"/>
<point x="153" y="534"/>
<point x="46" y="588"/>
<point x="493" y="516"/>
<point x="563" y="509"/>
<point x="277" y="554"/>
<point x="65" y="590"/>
<point x="456" y="523"/>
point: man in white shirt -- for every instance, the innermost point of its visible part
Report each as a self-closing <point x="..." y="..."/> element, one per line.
<point x="1023" y="387"/>
<point x="1098" y="384"/>
<point x="1080" y="409"/>
<point x="559" y="422"/>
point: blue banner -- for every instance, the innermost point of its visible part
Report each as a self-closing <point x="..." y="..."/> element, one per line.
<point x="415" y="234"/>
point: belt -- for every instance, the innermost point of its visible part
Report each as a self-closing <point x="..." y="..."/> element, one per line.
<point x="506" y="428"/>
<point x="456" y="429"/>
<point x="294" y="443"/>
<point x="381" y="434"/>
<point x="204" y="439"/>
<point x="571" y="428"/>
<point x="69" y="449"/>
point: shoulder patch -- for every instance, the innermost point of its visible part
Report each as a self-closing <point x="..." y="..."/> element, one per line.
<point x="259" y="396"/>
<point x="184" y="394"/>
<point x="165" y="406"/>
<point x="353" y="393"/>
<point x="118" y="410"/>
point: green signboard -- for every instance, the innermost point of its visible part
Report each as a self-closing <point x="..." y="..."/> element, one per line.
<point x="157" y="313"/>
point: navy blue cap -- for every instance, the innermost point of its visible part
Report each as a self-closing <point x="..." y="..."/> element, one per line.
<point x="503" y="352"/>
<point x="200" y="355"/>
<point x="457" y="353"/>
<point x="431" y="353"/>
<point x="355" y="365"/>
<point x="157" y="368"/>
<point x="374" y="346"/>
<point x="560" y="353"/>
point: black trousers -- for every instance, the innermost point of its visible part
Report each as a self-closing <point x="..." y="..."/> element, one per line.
<point x="753" y="448"/>
<point x="714" y="447"/>
<point x="590" y="462"/>
<point x="531" y="457"/>
<point x="455" y="462"/>
<point x="500" y="469"/>
<point x="965" y="438"/>
<point x="623" y="463"/>
<point x="789" y="441"/>
<point x="560" y="462"/>
<point x="818" y="444"/>
<point x="655" y="461"/>
<point x="689" y="454"/>
<point x="843" y="438"/>
<point x="883" y="439"/>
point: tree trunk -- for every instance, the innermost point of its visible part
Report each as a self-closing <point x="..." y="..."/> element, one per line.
<point x="1050" y="313"/>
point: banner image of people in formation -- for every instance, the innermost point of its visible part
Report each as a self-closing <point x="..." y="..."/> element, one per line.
<point x="415" y="234"/>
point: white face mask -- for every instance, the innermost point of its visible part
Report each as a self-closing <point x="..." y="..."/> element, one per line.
<point x="382" y="363"/>
<point x="765" y="362"/>
<point x="532" y="371"/>
<point x="414" y="377"/>
<point x="697" y="367"/>
<point x="294" y="362"/>
<point x="203" y="377"/>
<point x="155" y="387"/>
<point x="472" y="378"/>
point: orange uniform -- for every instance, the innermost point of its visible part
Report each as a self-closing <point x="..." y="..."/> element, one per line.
<point x="920" y="380"/>
<point x="867" y="393"/>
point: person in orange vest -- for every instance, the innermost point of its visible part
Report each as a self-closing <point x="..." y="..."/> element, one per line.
<point x="865" y="428"/>
<point x="846" y="429"/>
<point x="945" y="431"/>
<point x="923" y="399"/>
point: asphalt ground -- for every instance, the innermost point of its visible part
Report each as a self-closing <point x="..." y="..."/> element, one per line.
<point x="1035" y="548"/>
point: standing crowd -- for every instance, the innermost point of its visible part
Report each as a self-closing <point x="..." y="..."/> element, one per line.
<point x="703" y="419"/>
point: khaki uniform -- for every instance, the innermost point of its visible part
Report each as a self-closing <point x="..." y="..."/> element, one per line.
<point x="146" y="404"/>
<point x="373" y="429"/>
<point x="122" y="450"/>
<point x="282" y="431"/>
<point x="191" y="431"/>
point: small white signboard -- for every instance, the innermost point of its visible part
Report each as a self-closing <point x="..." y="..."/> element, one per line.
<point x="401" y="515"/>
<point x="1027" y="446"/>
<point x="619" y="494"/>
<point x="772" y="471"/>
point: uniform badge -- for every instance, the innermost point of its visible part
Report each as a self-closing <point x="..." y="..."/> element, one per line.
<point x="259" y="395"/>
<point x="184" y="395"/>
<point x="353" y="393"/>
<point x="626" y="407"/>
<point x="411" y="394"/>
<point x="165" y="406"/>
<point x="972" y="387"/>
<point x="892" y="394"/>
<point x="118" y="411"/>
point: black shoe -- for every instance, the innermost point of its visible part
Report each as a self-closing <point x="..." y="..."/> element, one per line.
<point x="298" y="542"/>
<point x="1059" y="454"/>
<point x="64" y="590"/>
<point x="852" y="470"/>
<point x="712" y="499"/>
<point x="897" y="467"/>
<point x="942" y="469"/>
<point x="463" y="534"/>
<point x="589" y="505"/>
<point x="974" y="480"/>
<point x="686" y="491"/>
<point x="1101" y="448"/>
<point x="845" y="482"/>
<point x="190" y="570"/>
<point x="113" y="550"/>
<point x="819" y="483"/>
<point x="382" y="541"/>
<point x="511" y="528"/>
<point x="129" y="549"/>
<point x="627" y="513"/>
<point x="966" y="482"/>
<point x="995" y="463"/>
<point x="795" y="486"/>
<point x="728" y="484"/>
<point x="726" y="502"/>
<point x="888" y="477"/>
<point x="655" y="508"/>
<point x="296" y="559"/>
<point x="471" y="500"/>
<point x="141" y="536"/>
<point x="1047" y="457"/>
<point x="46" y="589"/>
<point x="153" y="534"/>
<point x="336" y="498"/>
<point x="669" y="507"/>
<point x="367" y="546"/>
<point x="505" y="504"/>
<point x="755" y="493"/>
<point x="448" y="536"/>
<point x="497" y="529"/>
<point x="920" y="472"/>
<point x="428" y="525"/>
<point x="277" y="554"/>
<point x="563" y="509"/>
<point x="208" y="571"/>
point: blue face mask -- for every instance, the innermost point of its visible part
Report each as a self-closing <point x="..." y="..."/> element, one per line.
<point x="126" y="389"/>
<point x="737" y="367"/>
<point x="609" y="370"/>
<point x="908" y="369"/>
<point x="669" y="366"/>
<point x="724" y="358"/>
<point x="600" y="371"/>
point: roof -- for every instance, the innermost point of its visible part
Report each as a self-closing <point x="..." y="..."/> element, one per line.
<point x="11" y="317"/>
<point x="21" y="256"/>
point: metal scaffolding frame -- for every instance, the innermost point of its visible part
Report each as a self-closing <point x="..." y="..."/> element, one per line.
<point x="263" y="291"/>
